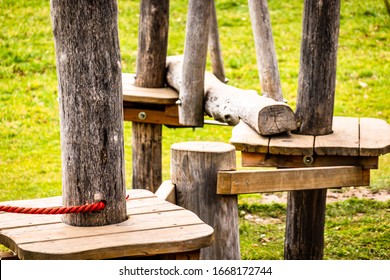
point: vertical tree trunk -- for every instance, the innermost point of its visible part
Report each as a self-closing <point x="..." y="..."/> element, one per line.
<point x="194" y="170"/>
<point x="151" y="60"/>
<point x="306" y="209"/>
<point x="265" y="50"/>
<point x="191" y="110"/>
<point x="317" y="74"/>
<point x="215" y="46"/>
<point x="90" y="94"/>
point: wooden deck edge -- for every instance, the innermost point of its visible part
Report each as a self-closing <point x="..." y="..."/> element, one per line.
<point x="244" y="182"/>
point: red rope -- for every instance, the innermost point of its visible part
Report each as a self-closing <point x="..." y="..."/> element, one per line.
<point x="55" y="210"/>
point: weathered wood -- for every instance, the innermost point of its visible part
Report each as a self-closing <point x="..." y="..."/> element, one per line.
<point x="152" y="51"/>
<point x="316" y="87"/>
<point x="146" y="156"/>
<point x="250" y="181"/>
<point x="132" y="93"/>
<point x="90" y="95"/>
<point x="194" y="63"/>
<point x="343" y="141"/>
<point x="215" y="46"/>
<point x="229" y="104"/>
<point x="370" y="138"/>
<point x="156" y="227"/>
<point x="250" y="159"/>
<point x="152" y="43"/>
<point x="265" y="50"/>
<point x="317" y="73"/>
<point x="167" y="192"/>
<point x="374" y="137"/>
<point x="194" y="169"/>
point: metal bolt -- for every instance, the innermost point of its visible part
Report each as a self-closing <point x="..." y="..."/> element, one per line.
<point x="178" y="102"/>
<point x="142" y="115"/>
<point x="308" y="160"/>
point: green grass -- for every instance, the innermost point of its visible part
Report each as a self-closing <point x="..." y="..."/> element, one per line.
<point x="30" y="156"/>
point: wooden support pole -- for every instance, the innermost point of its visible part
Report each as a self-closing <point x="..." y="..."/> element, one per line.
<point x="215" y="46"/>
<point x="306" y="209"/>
<point x="152" y="51"/>
<point x="194" y="170"/>
<point x="265" y="50"/>
<point x="194" y="63"/>
<point x="318" y="61"/>
<point x="230" y="104"/>
<point x="90" y="95"/>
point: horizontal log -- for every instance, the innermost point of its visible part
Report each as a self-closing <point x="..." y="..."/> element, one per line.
<point x="230" y="104"/>
<point x="243" y="182"/>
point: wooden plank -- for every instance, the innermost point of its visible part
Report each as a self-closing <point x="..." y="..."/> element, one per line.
<point x="244" y="138"/>
<point x="151" y="116"/>
<point x="267" y="160"/>
<point x="343" y="141"/>
<point x="374" y="137"/>
<point x="241" y="182"/>
<point x="132" y="93"/>
<point x="291" y="144"/>
<point x="139" y="243"/>
<point x="135" y="223"/>
<point x="167" y="191"/>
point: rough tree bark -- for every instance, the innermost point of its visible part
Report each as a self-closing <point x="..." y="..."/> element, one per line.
<point x="194" y="63"/>
<point x="150" y="73"/>
<point x="90" y="95"/>
<point x="230" y="104"/>
<point x="265" y="50"/>
<point x="317" y="77"/>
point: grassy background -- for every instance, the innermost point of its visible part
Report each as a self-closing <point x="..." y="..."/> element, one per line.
<point x="30" y="162"/>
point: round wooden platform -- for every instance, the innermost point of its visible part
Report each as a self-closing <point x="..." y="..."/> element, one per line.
<point x="154" y="227"/>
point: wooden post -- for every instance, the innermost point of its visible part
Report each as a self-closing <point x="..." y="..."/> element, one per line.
<point x="194" y="64"/>
<point x="194" y="171"/>
<point x="215" y="46"/>
<point x="265" y="50"/>
<point x="90" y="95"/>
<point x="317" y="74"/>
<point x="151" y="59"/>
<point x="306" y="209"/>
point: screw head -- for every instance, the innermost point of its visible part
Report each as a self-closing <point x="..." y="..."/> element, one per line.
<point x="142" y="115"/>
<point x="308" y="160"/>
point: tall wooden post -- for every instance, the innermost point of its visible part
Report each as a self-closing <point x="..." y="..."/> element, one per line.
<point x="265" y="50"/>
<point x="90" y="95"/>
<point x="194" y="171"/>
<point x="151" y="60"/>
<point x="191" y="109"/>
<point x="317" y="76"/>
<point x="215" y="46"/>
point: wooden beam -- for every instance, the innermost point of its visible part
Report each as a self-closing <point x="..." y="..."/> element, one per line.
<point x="265" y="50"/>
<point x="230" y="104"/>
<point x="152" y="51"/>
<point x="243" y="182"/>
<point x="167" y="192"/>
<point x="249" y="159"/>
<point x="194" y="63"/>
<point x="215" y="46"/>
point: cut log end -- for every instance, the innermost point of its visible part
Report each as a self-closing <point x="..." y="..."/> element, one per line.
<point x="276" y="119"/>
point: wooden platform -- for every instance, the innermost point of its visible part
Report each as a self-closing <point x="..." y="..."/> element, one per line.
<point x="354" y="142"/>
<point x="154" y="227"/>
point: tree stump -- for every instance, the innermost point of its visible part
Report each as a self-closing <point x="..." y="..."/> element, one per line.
<point x="91" y="109"/>
<point x="194" y="170"/>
